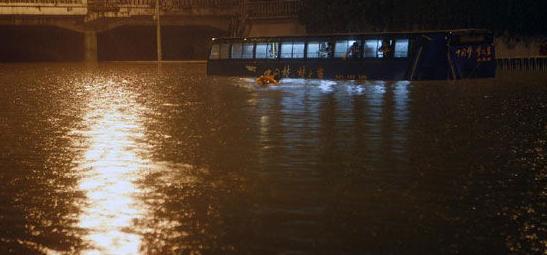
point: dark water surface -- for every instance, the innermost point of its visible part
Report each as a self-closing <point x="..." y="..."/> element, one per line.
<point x="135" y="159"/>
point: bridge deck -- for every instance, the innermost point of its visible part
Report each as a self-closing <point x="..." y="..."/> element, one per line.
<point x="243" y="8"/>
<point x="99" y="15"/>
<point x="43" y="7"/>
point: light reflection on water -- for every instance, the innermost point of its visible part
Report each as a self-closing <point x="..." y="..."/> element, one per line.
<point x="111" y="165"/>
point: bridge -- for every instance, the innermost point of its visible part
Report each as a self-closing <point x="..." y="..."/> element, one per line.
<point x="235" y="17"/>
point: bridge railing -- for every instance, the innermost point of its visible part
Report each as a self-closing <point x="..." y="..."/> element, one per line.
<point x="251" y="8"/>
<point x="524" y="64"/>
<point x="41" y="2"/>
<point x="180" y="4"/>
<point x="273" y="8"/>
<point x="43" y="7"/>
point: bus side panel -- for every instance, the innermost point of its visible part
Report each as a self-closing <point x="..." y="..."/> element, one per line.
<point x="393" y="69"/>
<point x="474" y="61"/>
<point x="433" y="60"/>
<point x="388" y="69"/>
<point x="232" y="68"/>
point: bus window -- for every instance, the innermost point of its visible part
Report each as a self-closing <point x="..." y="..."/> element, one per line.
<point x="266" y="50"/>
<point x="215" y="52"/>
<point x="401" y="48"/>
<point x="286" y="50"/>
<point x="371" y="48"/>
<point x="292" y="50"/>
<point x="318" y="50"/>
<point x="273" y="50"/>
<point x="342" y="48"/>
<point x="224" y="51"/>
<point x="261" y="50"/>
<point x="237" y="50"/>
<point x="248" y="49"/>
<point x="298" y="50"/>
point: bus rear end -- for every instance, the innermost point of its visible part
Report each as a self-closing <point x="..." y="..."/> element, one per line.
<point x="472" y="54"/>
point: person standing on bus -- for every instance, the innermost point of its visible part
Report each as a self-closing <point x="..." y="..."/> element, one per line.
<point x="386" y="49"/>
<point x="354" y="51"/>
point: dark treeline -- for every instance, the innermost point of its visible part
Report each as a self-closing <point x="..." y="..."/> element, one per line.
<point x="508" y="17"/>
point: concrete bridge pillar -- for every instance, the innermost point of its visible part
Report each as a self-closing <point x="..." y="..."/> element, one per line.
<point x="90" y="46"/>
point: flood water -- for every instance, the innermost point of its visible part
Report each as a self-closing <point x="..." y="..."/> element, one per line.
<point x="121" y="158"/>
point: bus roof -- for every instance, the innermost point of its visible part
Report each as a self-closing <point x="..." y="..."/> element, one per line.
<point x="326" y="35"/>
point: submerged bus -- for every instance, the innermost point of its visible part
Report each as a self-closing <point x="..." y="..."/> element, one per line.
<point x="430" y="55"/>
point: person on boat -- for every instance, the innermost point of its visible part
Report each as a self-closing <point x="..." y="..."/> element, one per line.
<point x="267" y="78"/>
<point x="277" y="75"/>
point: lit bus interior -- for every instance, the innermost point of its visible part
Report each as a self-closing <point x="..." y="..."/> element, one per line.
<point x="313" y="49"/>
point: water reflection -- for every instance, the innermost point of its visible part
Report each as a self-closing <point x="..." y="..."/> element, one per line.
<point x="182" y="163"/>
<point x="400" y="119"/>
<point x="110" y="166"/>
